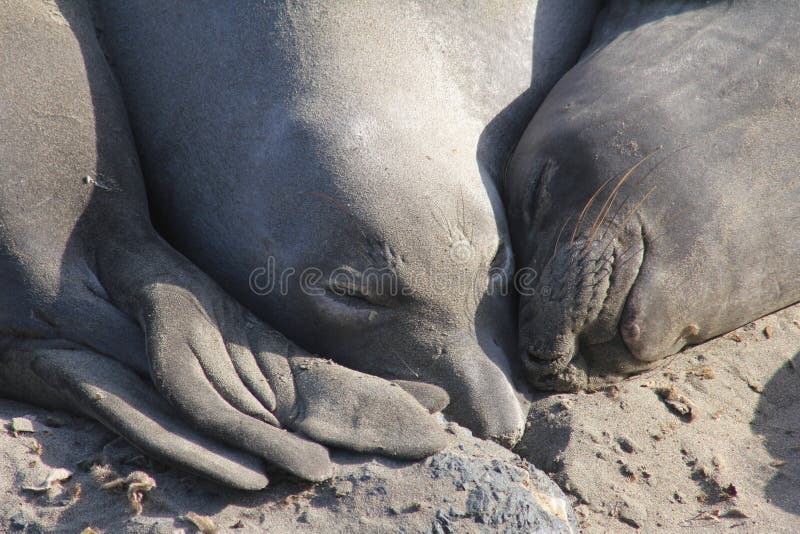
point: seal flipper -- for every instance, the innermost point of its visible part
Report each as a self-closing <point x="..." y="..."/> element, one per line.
<point x="433" y="398"/>
<point x="344" y="408"/>
<point x="191" y="368"/>
<point x="362" y="412"/>
<point x="111" y="393"/>
<point x="190" y="326"/>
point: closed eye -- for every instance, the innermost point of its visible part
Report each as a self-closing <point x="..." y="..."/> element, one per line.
<point x="356" y="296"/>
<point x="533" y="199"/>
<point x="348" y="310"/>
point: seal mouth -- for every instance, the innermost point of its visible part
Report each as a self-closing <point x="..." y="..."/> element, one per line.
<point x="589" y="368"/>
<point x="562" y="373"/>
<point x="559" y="347"/>
<point x="533" y="354"/>
<point x="555" y="363"/>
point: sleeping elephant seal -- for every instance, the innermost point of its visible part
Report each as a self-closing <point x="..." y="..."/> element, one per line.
<point x="89" y="294"/>
<point x="656" y="191"/>
<point x="332" y="165"/>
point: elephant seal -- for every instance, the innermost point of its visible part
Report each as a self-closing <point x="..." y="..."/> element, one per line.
<point x="333" y="167"/>
<point x="655" y="193"/>
<point x="92" y="299"/>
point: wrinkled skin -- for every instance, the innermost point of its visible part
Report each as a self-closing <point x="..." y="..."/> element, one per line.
<point x="349" y="138"/>
<point x="655" y="192"/>
<point x="92" y="299"/>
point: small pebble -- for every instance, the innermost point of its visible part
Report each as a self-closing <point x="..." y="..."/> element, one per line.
<point x="19" y="521"/>
<point x="627" y="444"/>
<point x="21" y="424"/>
<point x="343" y="488"/>
<point x="202" y="523"/>
<point x="54" y="477"/>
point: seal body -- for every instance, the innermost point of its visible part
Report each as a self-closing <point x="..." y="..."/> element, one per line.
<point x="654" y="195"/>
<point x="99" y="315"/>
<point x="334" y="167"/>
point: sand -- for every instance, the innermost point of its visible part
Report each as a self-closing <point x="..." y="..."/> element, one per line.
<point x="472" y="486"/>
<point x="710" y="441"/>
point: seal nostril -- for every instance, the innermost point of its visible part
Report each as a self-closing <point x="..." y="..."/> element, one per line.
<point x="630" y="331"/>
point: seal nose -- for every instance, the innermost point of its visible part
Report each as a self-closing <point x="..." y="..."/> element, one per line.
<point x="482" y="397"/>
<point x="559" y="347"/>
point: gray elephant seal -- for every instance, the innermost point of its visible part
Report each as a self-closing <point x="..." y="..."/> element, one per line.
<point x="92" y="299"/>
<point x="655" y="193"/>
<point x="343" y="141"/>
<point x="259" y="144"/>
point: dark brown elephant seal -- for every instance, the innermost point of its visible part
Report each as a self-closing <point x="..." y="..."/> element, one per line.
<point x="656" y="193"/>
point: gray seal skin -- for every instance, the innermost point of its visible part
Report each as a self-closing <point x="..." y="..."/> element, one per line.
<point x="655" y="193"/>
<point x="92" y="299"/>
<point x="345" y="139"/>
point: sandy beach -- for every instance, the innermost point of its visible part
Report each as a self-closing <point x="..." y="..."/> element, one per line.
<point x="709" y="442"/>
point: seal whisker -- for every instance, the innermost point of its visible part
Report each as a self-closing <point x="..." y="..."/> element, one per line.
<point x="627" y="219"/>
<point x="629" y="249"/>
<point x="586" y="208"/>
<point x="612" y="196"/>
<point x="439" y="223"/>
<point x="610" y="220"/>
<point x="649" y="172"/>
<point x="555" y="247"/>
<point x="637" y="206"/>
<point x="622" y="225"/>
<point x="638" y="249"/>
<point x="444" y="223"/>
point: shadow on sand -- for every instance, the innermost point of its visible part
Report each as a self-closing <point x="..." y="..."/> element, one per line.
<point x="778" y="420"/>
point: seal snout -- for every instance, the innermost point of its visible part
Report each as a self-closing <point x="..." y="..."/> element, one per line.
<point x="559" y="347"/>
<point x="548" y="359"/>
<point x="567" y="372"/>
